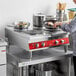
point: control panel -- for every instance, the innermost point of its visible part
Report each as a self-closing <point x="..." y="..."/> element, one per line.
<point x="49" y="43"/>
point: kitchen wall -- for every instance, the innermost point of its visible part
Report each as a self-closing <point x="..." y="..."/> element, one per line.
<point x="14" y="10"/>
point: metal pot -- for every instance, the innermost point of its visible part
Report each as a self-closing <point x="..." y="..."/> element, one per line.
<point x="38" y="20"/>
<point x="44" y="69"/>
<point x="49" y="22"/>
<point x="43" y="73"/>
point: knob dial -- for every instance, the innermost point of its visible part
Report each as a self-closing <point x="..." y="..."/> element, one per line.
<point x="62" y="41"/>
<point x="32" y="45"/>
<point x="37" y="45"/>
<point x="43" y="44"/>
<point x="56" y="42"/>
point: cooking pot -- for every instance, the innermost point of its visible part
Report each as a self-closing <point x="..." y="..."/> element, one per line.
<point x="49" y="22"/>
<point x="21" y="25"/>
<point x="38" y="20"/>
<point x="45" y="69"/>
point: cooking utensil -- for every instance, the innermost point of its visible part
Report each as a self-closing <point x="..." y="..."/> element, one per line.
<point x="49" y="22"/>
<point x="21" y="25"/>
<point x="38" y="20"/>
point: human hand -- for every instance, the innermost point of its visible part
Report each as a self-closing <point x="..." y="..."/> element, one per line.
<point x="56" y="24"/>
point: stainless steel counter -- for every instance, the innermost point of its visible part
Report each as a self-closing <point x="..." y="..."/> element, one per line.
<point x="21" y="58"/>
<point x="41" y="56"/>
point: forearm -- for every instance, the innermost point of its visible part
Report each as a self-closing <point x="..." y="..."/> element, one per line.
<point x="66" y="27"/>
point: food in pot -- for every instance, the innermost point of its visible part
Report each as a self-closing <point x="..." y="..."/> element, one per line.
<point x="21" y="25"/>
<point x="50" y="23"/>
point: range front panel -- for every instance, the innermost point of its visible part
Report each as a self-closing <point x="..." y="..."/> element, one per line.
<point x="49" y="43"/>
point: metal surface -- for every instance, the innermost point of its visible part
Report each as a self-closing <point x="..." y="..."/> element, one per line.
<point x="61" y="15"/>
<point x="38" y="20"/>
<point x="2" y="55"/>
<point x="2" y="42"/>
<point x="38" y="38"/>
<point x="3" y="60"/>
<point x="43" y="73"/>
<point x="6" y="67"/>
<point x="3" y="70"/>
<point x="44" y="69"/>
<point x="25" y="59"/>
<point x="42" y="57"/>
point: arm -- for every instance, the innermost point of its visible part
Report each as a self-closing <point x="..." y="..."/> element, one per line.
<point x="71" y="27"/>
<point x="68" y="27"/>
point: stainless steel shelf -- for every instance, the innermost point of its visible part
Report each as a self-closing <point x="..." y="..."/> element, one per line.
<point x="41" y="56"/>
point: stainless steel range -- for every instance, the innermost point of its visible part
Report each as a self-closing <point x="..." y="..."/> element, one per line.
<point x="44" y="61"/>
<point x="33" y="40"/>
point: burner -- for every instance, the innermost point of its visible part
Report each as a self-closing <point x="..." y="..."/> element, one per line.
<point x="52" y="29"/>
<point x="33" y="32"/>
<point x="44" y="31"/>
